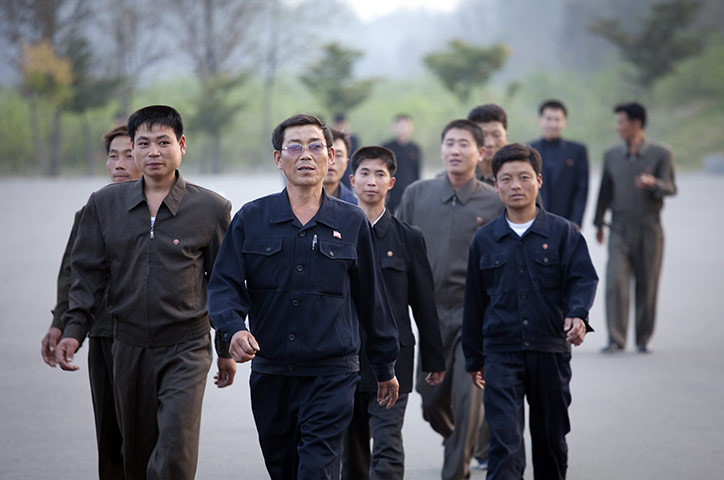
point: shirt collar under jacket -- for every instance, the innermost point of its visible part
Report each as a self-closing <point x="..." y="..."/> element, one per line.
<point x="541" y="225"/>
<point x="327" y="213"/>
<point x="135" y="196"/>
<point x="463" y="194"/>
<point x="643" y="148"/>
<point x="382" y="224"/>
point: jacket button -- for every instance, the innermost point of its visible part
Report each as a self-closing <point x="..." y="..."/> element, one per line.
<point x="526" y="322"/>
<point x="523" y="295"/>
<point x="295" y="303"/>
<point x="291" y="337"/>
<point x="290" y="367"/>
<point x="268" y="249"/>
<point x="300" y="268"/>
<point x="545" y="259"/>
<point x="302" y="233"/>
<point x="331" y="253"/>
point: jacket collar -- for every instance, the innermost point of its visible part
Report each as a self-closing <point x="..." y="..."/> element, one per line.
<point x="327" y="213"/>
<point x="541" y="225"/>
<point x="134" y="194"/>
<point x="463" y="194"/>
<point x="383" y="224"/>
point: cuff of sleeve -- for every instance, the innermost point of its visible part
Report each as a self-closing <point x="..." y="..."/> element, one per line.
<point x="222" y="347"/>
<point x="384" y="372"/>
<point x="57" y="323"/>
<point x="75" y="331"/>
<point x="474" y="365"/>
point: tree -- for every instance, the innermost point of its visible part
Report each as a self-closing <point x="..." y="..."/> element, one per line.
<point x="663" y="39"/>
<point x="214" y="34"/>
<point x="465" y="66"/>
<point x="331" y="80"/>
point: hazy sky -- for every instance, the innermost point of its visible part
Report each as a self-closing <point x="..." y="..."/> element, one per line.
<point x="369" y="9"/>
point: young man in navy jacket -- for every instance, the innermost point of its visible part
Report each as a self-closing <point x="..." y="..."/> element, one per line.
<point x="530" y="285"/>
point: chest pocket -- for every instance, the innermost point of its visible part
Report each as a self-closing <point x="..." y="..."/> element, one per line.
<point x="332" y="267"/>
<point x="264" y="265"/>
<point x="396" y="263"/>
<point x="492" y="268"/>
<point x="548" y="269"/>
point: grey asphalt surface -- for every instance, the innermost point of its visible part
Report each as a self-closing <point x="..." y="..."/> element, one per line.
<point x="656" y="416"/>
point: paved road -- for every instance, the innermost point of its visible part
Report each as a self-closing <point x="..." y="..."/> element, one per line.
<point x="656" y="416"/>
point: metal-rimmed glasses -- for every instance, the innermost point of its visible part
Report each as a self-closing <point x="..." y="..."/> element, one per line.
<point x="296" y="149"/>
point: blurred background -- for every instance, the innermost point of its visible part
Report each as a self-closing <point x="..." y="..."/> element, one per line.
<point x="72" y="69"/>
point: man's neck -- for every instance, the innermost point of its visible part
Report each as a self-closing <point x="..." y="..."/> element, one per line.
<point x="634" y="143"/>
<point x="305" y="201"/>
<point x="156" y="189"/>
<point x="332" y="189"/>
<point x="551" y="139"/>
<point x="458" y="180"/>
<point x="521" y="215"/>
<point x="373" y="210"/>
<point x="486" y="168"/>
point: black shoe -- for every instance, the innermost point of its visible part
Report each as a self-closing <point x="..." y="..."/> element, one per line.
<point x="612" y="347"/>
<point x="642" y="348"/>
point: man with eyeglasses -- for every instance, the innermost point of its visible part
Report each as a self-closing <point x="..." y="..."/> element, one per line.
<point x="302" y="266"/>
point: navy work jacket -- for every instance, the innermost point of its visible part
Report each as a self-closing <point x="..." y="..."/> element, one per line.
<point x="519" y="290"/>
<point x="304" y="289"/>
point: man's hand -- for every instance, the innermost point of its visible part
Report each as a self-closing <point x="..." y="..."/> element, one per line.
<point x="645" y="181"/>
<point x="64" y="353"/>
<point x="226" y="371"/>
<point x="387" y="392"/>
<point x="599" y="234"/>
<point x="435" y="378"/>
<point x="575" y="329"/>
<point x="243" y="346"/>
<point x="479" y="378"/>
<point x="47" y="345"/>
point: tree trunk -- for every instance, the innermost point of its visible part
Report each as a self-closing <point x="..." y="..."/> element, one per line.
<point x="41" y="153"/>
<point x="216" y="149"/>
<point x="54" y="165"/>
<point x="88" y="149"/>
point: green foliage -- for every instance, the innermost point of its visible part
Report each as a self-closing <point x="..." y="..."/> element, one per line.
<point x="331" y="80"/>
<point x="663" y="38"/>
<point x="45" y="74"/>
<point x="465" y="66"/>
<point x="87" y="90"/>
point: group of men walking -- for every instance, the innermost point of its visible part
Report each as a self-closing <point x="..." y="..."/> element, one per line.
<point x="315" y="293"/>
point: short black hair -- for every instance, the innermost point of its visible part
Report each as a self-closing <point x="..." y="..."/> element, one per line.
<point x="463" y="124"/>
<point x="633" y="111"/>
<point x="516" y="152"/>
<point x="489" y="112"/>
<point x="298" y="121"/>
<point x="402" y="116"/>
<point x="119" y="131"/>
<point x="554" y="105"/>
<point x="340" y="135"/>
<point x="339" y="117"/>
<point x="156" y="115"/>
<point x="377" y="153"/>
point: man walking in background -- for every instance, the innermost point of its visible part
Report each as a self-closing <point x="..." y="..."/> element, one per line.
<point x="565" y="165"/>
<point x="409" y="159"/>
<point x="121" y="167"/>
<point x="493" y="121"/>
<point x="636" y="177"/>
<point x="448" y="209"/>
<point x="337" y="168"/>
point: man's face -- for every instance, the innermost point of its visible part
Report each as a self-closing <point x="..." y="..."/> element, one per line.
<point x="552" y="122"/>
<point x="307" y="168"/>
<point x="372" y="181"/>
<point x="339" y="164"/>
<point x="460" y="154"/>
<point x="495" y="137"/>
<point x="120" y="164"/>
<point x="626" y="128"/>
<point x="157" y="152"/>
<point x="403" y="130"/>
<point x="518" y="184"/>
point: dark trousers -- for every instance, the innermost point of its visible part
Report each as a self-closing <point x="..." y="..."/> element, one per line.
<point x="634" y="250"/>
<point x="301" y="423"/>
<point x="384" y="426"/>
<point x="454" y="409"/>
<point x="544" y="379"/>
<point x="159" y="392"/>
<point x="108" y="434"/>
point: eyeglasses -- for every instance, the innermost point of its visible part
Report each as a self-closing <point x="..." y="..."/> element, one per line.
<point x="314" y="148"/>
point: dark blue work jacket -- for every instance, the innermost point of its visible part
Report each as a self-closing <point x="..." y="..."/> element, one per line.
<point x="519" y="290"/>
<point x="304" y="289"/>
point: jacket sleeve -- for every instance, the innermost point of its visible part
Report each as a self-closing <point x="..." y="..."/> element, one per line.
<point x="64" y="277"/>
<point x="580" y="193"/>
<point x="665" y="183"/>
<point x="476" y="301"/>
<point x="373" y="309"/>
<point x="89" y="274"/>
<point x="211" y="251"/>
<point x="580" y="278"/>
<point x="421" y="297"/>
<point x="229" y="300"/>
